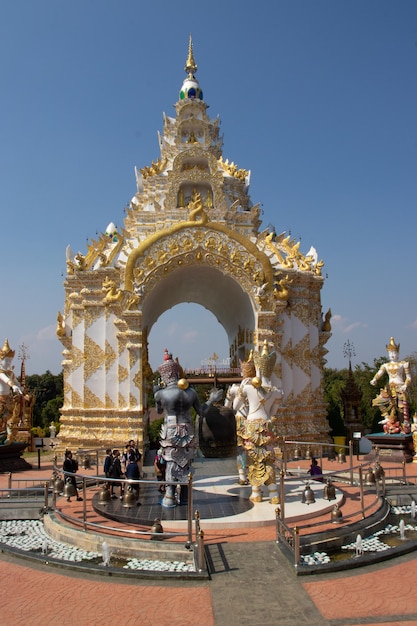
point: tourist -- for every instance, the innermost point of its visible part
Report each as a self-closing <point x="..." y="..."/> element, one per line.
<point x="115" y="472"/>
<point x="160" y="465"/>
<point x="71" y="465"/>
<point x="315" y="470"/>
<point x="107" y="463"/>
<point x="135" y="450"/>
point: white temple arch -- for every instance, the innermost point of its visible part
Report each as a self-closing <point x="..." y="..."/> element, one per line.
<point x="190" y="234"/>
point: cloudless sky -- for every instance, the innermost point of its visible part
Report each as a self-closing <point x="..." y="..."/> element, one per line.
<point x="318" y="98"/>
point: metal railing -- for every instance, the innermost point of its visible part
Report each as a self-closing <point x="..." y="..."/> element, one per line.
<point x="363" y="476"/>
<point x="86" y="523"/>
<point x="25" y="489"/>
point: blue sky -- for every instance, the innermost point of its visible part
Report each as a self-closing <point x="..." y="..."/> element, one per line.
<point x="317" y="98"/>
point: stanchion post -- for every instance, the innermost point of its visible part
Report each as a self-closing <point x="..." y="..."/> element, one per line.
<point x="284" y="455"/>
<point x="190" y="511"/>
<point x="351" y="460"/>
<point x="84" y="504"/>
<point x="296" y="546"/>
<point x="361" y="491"/>
<point x="282" y="493"/>
<point x="200" y="556"/>
<point x="46" y="493"/>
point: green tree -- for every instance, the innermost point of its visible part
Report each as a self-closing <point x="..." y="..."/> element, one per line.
<point x="334" y="382"/>
<point x="49" y="397"/>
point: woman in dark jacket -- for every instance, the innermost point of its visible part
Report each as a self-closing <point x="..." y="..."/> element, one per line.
<point x="71" y="465"/>
<point x="115" y="471"/>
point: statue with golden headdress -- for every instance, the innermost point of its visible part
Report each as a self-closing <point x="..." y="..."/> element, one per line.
<point x="178" y="441"/>
<point x="236" y="400"/>
<point x="392" y="399"/>
<point x="258" y="433"/>
<point x="10" y="394"/>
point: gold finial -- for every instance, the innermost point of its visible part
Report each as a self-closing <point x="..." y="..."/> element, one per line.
<point x="6" y="351"/>
<point x="392" y="346"/>
<point x="190" y="64"/>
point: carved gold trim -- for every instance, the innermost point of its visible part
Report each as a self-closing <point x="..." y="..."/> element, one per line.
<point x="146" y="245"/>
<point x="91" y="400"/>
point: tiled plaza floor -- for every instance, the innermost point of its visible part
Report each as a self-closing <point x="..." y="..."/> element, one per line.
<point x="253" y="584"/>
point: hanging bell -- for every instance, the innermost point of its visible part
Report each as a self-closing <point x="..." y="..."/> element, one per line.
<point x="341" y="457"/>
<point x="308" y="453"/>
<point x="370" y="478"/>
<point x="336" y="515"/>
<point x="297" y="454"/>
<point x="86" y="462"/>
<point x="308" y="495"/>
<point x="378" y="471"/>
<point x="156" y="528"/>
<point x="69" y="490"/>
<point x="329" y="492"/>
<point x="105" y="496"/>
<point x="129" y="498"/>
<point x="58" y="485"/>
<point x="331" y="455"/>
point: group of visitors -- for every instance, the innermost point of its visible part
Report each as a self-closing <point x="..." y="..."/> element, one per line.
<point x="125" y="465"/>
<point x="118" y="466"/>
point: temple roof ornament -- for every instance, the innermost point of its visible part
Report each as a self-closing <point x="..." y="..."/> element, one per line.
<point x="190" y="88"/>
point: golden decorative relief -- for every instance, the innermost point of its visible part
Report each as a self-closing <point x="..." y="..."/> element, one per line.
<point x="303" y="314"/>
<point x="112" y="291"/>
<point x="133" y="357"/>
<point x="232" y="169"/>
<point x="123" y="374"/>
<point x="76" y="399"/>
<point x="109" y="402"/>
<point x="301" y="354"/>
<point x="133" y="401"/>
<point x="94" y="357"/>
<point x="91" y="314"/>
<point x="77" y="317"/>
<point x="77" y="358"/>
<point x="137" y="380"/>
<point x="156" y="168"/>
<point x="122" y="401"/>
<point x="91" y="401"/>
<point x="110" y="356"/>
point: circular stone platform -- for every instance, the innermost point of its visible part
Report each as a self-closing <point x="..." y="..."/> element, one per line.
<point x="220" y="501"/>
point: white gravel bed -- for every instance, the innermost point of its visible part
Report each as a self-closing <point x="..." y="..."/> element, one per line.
<point x="30" y="536"/>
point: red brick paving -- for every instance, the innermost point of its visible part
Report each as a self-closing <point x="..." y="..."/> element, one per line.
<point x="35" y="595"/>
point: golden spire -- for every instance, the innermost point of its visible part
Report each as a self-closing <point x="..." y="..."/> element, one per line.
<point x="190" y="64"/>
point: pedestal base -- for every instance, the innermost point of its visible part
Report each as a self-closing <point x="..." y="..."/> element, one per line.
<point x="395" y="448"/>
<point x="11" y="458"/>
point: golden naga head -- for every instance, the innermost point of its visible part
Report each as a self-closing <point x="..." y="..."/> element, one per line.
<point x="6" y="351"/>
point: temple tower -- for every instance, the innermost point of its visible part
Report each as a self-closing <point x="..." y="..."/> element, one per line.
<point x="191" y="234"/>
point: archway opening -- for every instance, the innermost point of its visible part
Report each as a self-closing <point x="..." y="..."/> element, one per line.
<point x="214" y="303"/>
<point x="192" y="333"/>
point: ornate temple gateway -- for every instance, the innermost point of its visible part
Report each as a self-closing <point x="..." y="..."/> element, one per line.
<point x="191" y="234"/>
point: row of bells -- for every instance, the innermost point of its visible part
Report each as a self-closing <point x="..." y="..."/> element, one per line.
<point x="298" y="455"/>
<point x="129" y="500"/>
